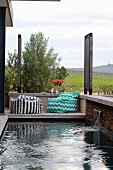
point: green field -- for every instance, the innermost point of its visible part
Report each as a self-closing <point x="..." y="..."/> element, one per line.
<point x="75" y="81"/>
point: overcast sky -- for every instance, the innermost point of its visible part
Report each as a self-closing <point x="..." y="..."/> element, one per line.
<point x="66" y="23"/>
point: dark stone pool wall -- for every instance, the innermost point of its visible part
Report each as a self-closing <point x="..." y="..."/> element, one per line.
<point x="106" y="114"/>
<point x="99" y="102"/>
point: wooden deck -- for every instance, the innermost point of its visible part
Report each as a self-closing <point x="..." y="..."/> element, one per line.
<point x="45" y="116"/>
<point x="3" y="122"/>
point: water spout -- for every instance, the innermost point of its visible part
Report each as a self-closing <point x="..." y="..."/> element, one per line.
<point x="97" y="115"/>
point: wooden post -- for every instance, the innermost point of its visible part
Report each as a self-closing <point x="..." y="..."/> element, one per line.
<point x="19" y="63"/>
<point x="88" y="63"/>
<point x="2" y="57"/>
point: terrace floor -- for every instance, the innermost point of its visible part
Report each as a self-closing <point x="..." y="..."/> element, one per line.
<point x="3" y="122"/>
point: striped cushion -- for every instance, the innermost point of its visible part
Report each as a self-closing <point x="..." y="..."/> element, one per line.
<point x="27" y="97"/>
<point x="22" y="106"/>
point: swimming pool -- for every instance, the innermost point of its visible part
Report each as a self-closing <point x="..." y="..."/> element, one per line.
<point x="54" y="146"/>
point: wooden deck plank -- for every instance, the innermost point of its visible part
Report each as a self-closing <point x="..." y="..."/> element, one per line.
<point x="3" y="122"/>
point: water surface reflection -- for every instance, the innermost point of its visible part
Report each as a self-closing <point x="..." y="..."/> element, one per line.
<point x="55" y="146"/>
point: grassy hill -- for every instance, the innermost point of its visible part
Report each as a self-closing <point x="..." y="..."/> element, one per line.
<point x="99" y="69"/>
<point x="102" y="77"/>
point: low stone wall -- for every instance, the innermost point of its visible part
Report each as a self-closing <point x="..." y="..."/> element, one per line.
<point x="43" y="96"/>
<point x="106" y="118"/>
<point x="87" y="104"/>
<point x="101" y="103"/>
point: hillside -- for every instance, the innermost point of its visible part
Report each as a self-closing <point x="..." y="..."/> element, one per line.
<point x="99" y="69"/>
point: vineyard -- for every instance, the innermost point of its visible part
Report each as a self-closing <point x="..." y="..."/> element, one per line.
<point x="100" y="82"/>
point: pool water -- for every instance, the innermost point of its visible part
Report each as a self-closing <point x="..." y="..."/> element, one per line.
<point x="54" y="146"/>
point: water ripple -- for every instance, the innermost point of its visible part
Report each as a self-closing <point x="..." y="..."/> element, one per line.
<point x="55" y="147"/>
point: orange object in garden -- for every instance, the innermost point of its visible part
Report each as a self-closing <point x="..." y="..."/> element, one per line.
<point x="57" y="82"/>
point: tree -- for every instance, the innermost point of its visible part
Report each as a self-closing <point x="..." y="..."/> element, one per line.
<point x="11" y="72"/>
<point x="61" y="73"/>
<point x="38" y="65"/>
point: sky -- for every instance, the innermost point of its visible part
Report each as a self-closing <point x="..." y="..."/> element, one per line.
<point x="65" y="23"/>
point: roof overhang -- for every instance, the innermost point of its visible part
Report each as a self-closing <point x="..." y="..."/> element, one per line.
<point x="9" y="9"/>
<point x="9" y="12"/>
<point x="36" y="0"/>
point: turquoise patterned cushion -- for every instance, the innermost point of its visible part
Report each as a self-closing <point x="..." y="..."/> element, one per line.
<point x="64" y="103"/>
<point x="71" y="94"/>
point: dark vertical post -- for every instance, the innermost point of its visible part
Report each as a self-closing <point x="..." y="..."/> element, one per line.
<point x="2" y="57"/>
<point x="88" y="63"/>
<point x="85" y="67"/>
<point x="19" y="63"/>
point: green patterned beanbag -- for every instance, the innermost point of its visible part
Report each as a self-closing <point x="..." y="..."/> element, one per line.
<point x="64" y="103"/>
<point x="71" y="94"/>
